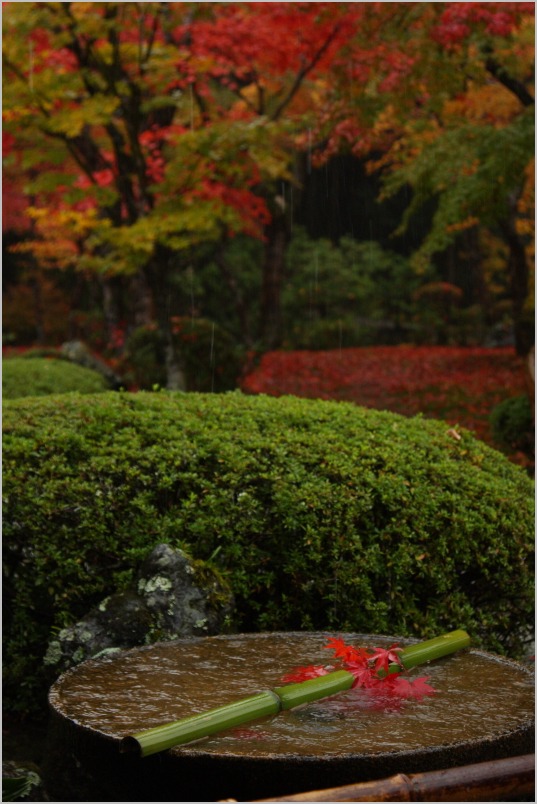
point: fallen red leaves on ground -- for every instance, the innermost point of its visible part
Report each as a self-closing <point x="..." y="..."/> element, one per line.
<point x="459" y="385"/>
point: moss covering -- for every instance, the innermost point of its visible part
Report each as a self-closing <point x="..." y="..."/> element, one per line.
<point x="322" y="515"/>
<point x="40" y="376"/>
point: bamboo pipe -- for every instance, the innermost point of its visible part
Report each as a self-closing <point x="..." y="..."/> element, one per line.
<point x="496" y="780"/>
<point x="270" y="702"/>
<point x="234" y="714"/>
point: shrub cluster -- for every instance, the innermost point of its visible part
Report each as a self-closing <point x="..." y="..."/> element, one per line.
<point x="513" y="425"/>
<point x="321" y="514"/>
<point x="40" y="376"/>
<point x="209" y="356"/>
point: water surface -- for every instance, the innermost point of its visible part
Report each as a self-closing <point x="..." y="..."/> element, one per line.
<point x="478" y="696"/>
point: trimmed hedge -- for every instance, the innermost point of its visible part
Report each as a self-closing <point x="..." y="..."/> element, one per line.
<point x="41" y="376"/>
<point x="321" y="514"/>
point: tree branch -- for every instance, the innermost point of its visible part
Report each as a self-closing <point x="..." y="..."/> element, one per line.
<point x="303" y="73"/>
<point x="512" y="84"/>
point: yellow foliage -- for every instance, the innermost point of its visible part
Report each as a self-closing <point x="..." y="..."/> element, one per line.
<point x="461" y="226"/>
<point x="78" y="224"/>
<point x="487" y="103"/>
<point x="59" y="234"/>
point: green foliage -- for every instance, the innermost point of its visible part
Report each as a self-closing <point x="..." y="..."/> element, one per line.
<point x="17" y="788"/>
<point x="208" y="354"/>
<point x="321" y="515"/>
<point x="473" y="171"/>
<point x="513" y="424"/>
<point x="144" y="360"/>
<point x="36" y="376"/>
<point x="229" y="294"/>
<point x="349" y="294"/>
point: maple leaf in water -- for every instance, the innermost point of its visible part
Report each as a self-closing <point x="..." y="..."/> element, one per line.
<point x="365" y="665"/>
<point x="363" y="676"/>
<point x="400" y="687"/>
<point x="419" y="687"/>
<point x="299" y="674"/>
<point x="347" y="653"/>
<point x="241" y="733"/>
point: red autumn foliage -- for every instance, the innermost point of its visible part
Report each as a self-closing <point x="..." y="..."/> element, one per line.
<point x="382" y="657"/>
<point x="305" y="673"/>
<point x="459" y="385"/>
<point x="366" y="665"/>
<point x="459" y="20"/>
<point x="347" y="653"/>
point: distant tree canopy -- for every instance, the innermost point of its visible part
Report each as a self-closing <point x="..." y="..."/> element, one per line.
<point x="141" y="139"/>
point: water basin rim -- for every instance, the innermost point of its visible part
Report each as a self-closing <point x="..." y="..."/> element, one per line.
<point x="470" y="745"/>
<point x="195" y="751"/>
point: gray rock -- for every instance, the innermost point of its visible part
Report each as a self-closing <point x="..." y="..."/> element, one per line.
<point x="174" y="597"/>
<point x="78" y="352"/>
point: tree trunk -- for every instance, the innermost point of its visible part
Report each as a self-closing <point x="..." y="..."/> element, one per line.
<point x="142" y="301"/>
<point x="39" y="314"/>
<point x="241" y="304"/>
<point x="519" y="274"/>
<point x="110" y="307"/>
<point x="156" y="274"/>
<point x="175" y="374"/>
<point x="277" y="238"/>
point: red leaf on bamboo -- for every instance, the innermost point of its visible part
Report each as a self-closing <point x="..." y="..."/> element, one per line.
<point x="363" y="677"/>
<point x="365" y="665"/>
<point x="382" y="657"/>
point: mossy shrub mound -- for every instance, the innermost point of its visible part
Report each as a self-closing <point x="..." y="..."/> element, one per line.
<point x="322" y="515"/>
<point x="41" y="376"/>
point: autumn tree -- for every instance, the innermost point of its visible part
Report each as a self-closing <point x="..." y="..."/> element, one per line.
<point x="455" y="124"/>
<point x="150" y="128"/>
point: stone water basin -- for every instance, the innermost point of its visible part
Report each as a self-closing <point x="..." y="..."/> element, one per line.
<point x="483" y="709"/>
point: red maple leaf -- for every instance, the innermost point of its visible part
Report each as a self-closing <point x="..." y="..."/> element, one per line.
<point x="382" y="657"/>
<point x="421" y="688"/>
<point x="241" y="733"/>
<point x="299" y="674"/>
<point x="365" y="664"/>
<point x="346" y="652"/>
<point x="404" y="688"/>
<point x="363" y="675"/>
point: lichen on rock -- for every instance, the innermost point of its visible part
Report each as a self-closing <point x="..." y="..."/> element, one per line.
<point x="173" y="596"/>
